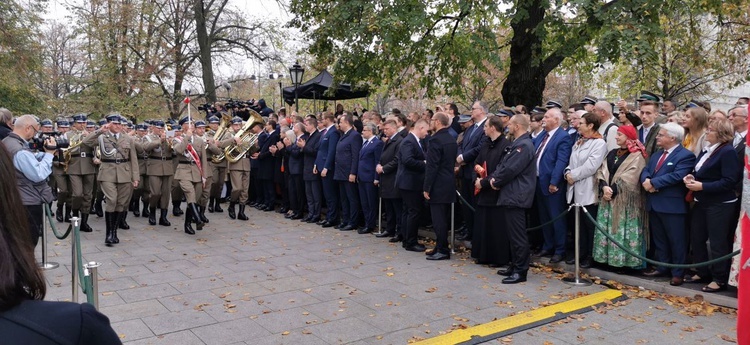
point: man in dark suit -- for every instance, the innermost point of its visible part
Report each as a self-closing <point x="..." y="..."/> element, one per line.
<point x="313" y="189"/>
<point x="296" y="164"/>
<point x="467" y="152"/>
<point x="345" y="172"/>
<point x="324" y="165"/>
<point x="267" y="163"/>
<point x="387" y="181"/>
<point x="369" y="157"/>
<point x="255" y="190"/>
<point x="410" y="180"/>
<point x="649" y="128"/>
<point x="439" y="188"/>
<point x="665" y="201"/>
<point x="738" y="118"/>
<point x="552" y="156"/>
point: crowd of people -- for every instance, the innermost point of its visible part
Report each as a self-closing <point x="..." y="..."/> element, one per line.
<point x="652" y="176"/>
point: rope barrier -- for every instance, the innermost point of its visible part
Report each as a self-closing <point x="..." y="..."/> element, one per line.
<point x="654" y="262"/>
<point x="84" y="279"/>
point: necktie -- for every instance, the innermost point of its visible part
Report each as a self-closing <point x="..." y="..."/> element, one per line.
<point x="324" y="132"/>
<point x="661" y="161"/>
<point x="366" y="142"/>
<point x="544" y="142"/>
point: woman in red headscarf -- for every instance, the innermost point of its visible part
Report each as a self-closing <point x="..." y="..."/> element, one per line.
<point x="621" y="207"/>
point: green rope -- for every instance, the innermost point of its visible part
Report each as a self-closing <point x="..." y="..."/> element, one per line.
<point x="653" y="262"/>
<point x="466" y="203"/>
<point x="83" y="281"/>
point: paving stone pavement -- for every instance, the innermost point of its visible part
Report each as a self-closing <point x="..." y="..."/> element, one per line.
<point x="275" y="281"/>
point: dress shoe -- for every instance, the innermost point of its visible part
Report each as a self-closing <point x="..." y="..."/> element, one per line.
<point x="363" y="231"/>
<point x="252" y="204"/>
<point x="313" y="221"/>
<point x="288" y="216"/>
<point x="439" y="256"/>
<point x="586" y="263"/>
<point x="396" y="239"/>
<point x="676" y="281"/>
<point x="385" y="234"/>
<point x="347" y="228"/>
<point x="515" y="278"/>
<point x="709" y="289"/>
<point x="507" y="272"/>
<point x="570" y="261"/>
<point x="543" y="254"/>
<point x="328" y="225"/>
<point x="283" y="210"/>
<point x="296" y="216"/>
<point x="321" y="222"/>
<point x="268" y="208"/>
<point x="415" y="248"/>
<point x="655" y="274"/>
<point x="259" y="206"/>
<point x="429" y="252"/>
<point x="555" y="259"/>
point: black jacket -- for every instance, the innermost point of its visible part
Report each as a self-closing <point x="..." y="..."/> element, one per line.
<point x="439" y="180"/>
<point x="411" y="164"/>
<point x="266" y="161"/>
<point x="45" y="322"/>
<point x="4" y="130"/>
<point x="516" y="175"/>
<point x="310" y="152"/>
<point x="389" y="161"/>
<point x="719" y="174"/>
<point x="491" y="154"/>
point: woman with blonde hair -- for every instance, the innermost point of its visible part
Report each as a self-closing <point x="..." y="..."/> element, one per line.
<point x="696" y="122"/>
<point x="677" y="117"/>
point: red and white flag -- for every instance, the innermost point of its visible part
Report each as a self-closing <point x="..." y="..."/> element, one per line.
<point x="743" y="290"/>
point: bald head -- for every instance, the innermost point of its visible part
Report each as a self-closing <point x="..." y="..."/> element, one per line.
<point x="603" y="109"/>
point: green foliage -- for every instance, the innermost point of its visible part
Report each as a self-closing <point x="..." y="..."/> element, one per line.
<point x="19" y="57"/>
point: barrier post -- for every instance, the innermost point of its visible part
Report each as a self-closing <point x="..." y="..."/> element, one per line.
<point x="74" y="261"/>
<point x="91" y="269"/>
<point x="380" y="216"/>
<point x="576" y="280"/>
<point x="45" y="265"/>
<point x="453" y="228"/>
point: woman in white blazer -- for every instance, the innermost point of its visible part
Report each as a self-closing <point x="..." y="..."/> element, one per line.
<point x="585" y="159"/>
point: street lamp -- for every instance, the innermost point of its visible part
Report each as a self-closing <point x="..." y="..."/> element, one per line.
<point x="281" y="89"/>
<point x="296" y="72"/>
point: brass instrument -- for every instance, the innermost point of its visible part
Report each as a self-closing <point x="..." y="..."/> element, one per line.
<point x="75" y="142"/>
<point x="223" y="126"/>
<point x="236" y="152"/>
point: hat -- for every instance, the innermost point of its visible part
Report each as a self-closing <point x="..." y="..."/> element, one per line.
<point x="200" y="124"/>
<point x="141" y="127"/>
<point x="553" y="104"/>
<point x="693" y="104"/>
<point x="157" y="123"/>
<point x="79" y="118"/>
<point x="102" y="122"/>
<point x="213" y="119"/>
<point x="649" y="96"/>
<point x="171" y="121"/>
<point x="128" y="123"/>
<point x="114" y="118"/>
<point x="185" y="120"/>
<point x="634" y="119"/>
<point x="236" y="120"/>
<point x="538" y="110"/>
<point x="464" y="118"/>
<point x="589" y="100"/>
<point x="46" y="123"/>
<point x="63" y="123"/>
<point x="629" y="132"/>
<point x="504" y="112"/>
<point x="90" y="123"/>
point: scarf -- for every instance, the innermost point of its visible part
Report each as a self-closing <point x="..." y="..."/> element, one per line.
<point x="636" y="146"/>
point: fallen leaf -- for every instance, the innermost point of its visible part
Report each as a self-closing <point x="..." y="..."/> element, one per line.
<point x="285" y="333"/>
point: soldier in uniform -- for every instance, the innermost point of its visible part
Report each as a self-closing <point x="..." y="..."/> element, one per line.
<point x="211" y="149"/>
<point x="191" y="154"/>
<point x="59" y="180"/>
<point x="81" y="172"/>
<point x="142" y="193"/>
<point x="218" y="170"/>
<point x="97" y="207"/>
<point x="160" y="171"/>
<point x="118" y="173"/>
<point x="239" y="174"/>
<point x="177" y="194"/>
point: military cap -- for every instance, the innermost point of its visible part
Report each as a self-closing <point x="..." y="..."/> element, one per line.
<point x="185" y="120"/>
<point x="589" y="100"/>
<point x="90" y="123"/>
<point x="63" y="123"/>
<point x="236" y="120"/>
<point x="693" y="104"/>
<point x="141" y="127"/>
<point x="553" y="104"/>
<point x="538" y="110"/>
<point x="464" y="118"/>
<point x="46" y="123"/>
<point x="200" y="123"/>
<point x="114" y="118"/>
<point x="213" y="119"/>
<point x="649" y="96"/>
<point x="505" y="112"/>
<point x="79" y="118"/>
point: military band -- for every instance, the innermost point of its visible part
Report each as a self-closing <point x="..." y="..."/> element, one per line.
<point x="81" y="170"/>
<point x="190" y="176"/>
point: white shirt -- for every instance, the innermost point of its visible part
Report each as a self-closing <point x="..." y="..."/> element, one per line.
<point x="541" y="152"/>
<point x="646" y="130"/>
<point x="738" y="137"/>
<point x="708" y="151"/>
<point x="418" y="143"/>
<point x="477" y="127"/>
<point x="668" y="151"/>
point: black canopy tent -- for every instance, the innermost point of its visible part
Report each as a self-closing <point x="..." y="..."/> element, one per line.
<point x="317" y="88"/>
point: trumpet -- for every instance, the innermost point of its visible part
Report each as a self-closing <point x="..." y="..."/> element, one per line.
<point x="235" y="152"/>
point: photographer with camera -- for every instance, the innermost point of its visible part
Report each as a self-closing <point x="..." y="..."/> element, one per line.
<point x="32" y="169"/>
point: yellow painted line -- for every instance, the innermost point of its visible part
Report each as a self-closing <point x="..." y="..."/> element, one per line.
<point x="517" y="321"/>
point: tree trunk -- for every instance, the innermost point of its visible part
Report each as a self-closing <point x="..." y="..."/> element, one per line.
<point x="526" y="78"/>
<point x="204" y="44"/>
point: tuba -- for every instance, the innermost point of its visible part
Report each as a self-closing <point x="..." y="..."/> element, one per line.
<point x="225" y="119"/>
<point x="236" y="152"/>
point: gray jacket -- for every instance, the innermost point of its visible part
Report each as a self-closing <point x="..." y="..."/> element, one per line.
<point x="32" y="193"/>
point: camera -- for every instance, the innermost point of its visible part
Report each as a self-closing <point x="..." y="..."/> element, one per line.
<point x="207" y="107"/>
<point x="37" y="143"/>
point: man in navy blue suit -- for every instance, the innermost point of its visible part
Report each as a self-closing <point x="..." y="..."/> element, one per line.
<point x="345" y="172"/>
<point x="665" y="201"/>
<point x="439" y="183"/>
<point x="467" y="152"/>
<point x="369" y="158"/>
<point x="266" y="164"/>
<point x="409" y="180"/>
<point x="324" y="165"/>
<point x="552" y="156"/>
<point x="313" y="189"/>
